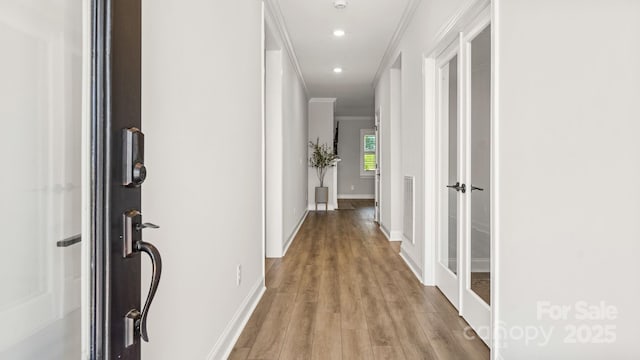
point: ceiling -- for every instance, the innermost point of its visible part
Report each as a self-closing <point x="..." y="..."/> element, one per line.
<point x="369" y="27"/>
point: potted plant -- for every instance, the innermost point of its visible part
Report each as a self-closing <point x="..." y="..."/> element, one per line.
<point x="321" y="159"/>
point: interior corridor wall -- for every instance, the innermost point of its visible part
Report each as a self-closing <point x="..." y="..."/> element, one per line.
<point x="202" y="118"/>
<point x="296" y="127"/>
<point x="569" y="160"/>
<point x="418" y="39"/>
<point x="287" y="128"/>
<point x="388" y="101"/>
<point x="350" y="183"/>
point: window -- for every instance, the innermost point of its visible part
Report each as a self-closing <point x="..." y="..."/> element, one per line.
<point x="368" y="143"/>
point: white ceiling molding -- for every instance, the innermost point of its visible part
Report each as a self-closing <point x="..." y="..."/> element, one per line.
<point x="322" y="100"/>
<point x="275" y="13"/>
<point x="354" y="118"/>
<point x="407" y="15"/>
<point x="449" y="31"/>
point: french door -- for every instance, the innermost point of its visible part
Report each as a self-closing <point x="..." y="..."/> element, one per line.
<point x="72" y="155"/>
<point x="463" y="267"/>
<point x="450" y="204"/>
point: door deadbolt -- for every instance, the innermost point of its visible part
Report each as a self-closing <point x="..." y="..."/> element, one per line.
<point x="134" y="172"/>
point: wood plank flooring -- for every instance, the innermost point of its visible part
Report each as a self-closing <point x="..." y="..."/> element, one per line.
<point x="343" y="292"/>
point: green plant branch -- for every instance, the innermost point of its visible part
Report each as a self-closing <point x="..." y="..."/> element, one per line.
<point x="321" y="158"/>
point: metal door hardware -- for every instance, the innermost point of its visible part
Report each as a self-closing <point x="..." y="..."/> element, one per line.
<point x="69" y="241"/>
<point x="134" y="172"/>
<point x="476" y="188"/>
<point x="132" y="240"/>
<point x="131" y="327"/>
<point x="458" y="187"/>
<point x="156" y="272"/>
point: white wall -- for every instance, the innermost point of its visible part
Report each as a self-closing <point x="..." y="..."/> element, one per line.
<point x="569" y="155"/>
<point x="418" y="39"/>
<point x="202" y="110"/>
<point x="567" y="151"/>
<point x="274" y="148"/>
<point x="321" y="126"/>
<point x="350" y="183"/>
<point x="388" y="98"/>
<point x="286" y="144"/>
<point x="296" y="166"/>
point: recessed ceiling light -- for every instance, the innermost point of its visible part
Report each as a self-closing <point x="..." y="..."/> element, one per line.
<point x="337" y="70"/>
<point x="338" y="33"/>
<point x="340" y="4"/>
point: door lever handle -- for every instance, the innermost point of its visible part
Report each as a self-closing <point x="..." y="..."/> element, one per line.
<point x="147" y="226"/>
<point x="476" y="188"/>
<point x="458" y="187"/>
<point x="156" y="263"/>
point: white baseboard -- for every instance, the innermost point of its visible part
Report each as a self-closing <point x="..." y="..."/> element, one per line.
<point x="477" y="264"/>
<point x="223" y="347"/>
<point x="295" y="232"/>
<point x="356" y="196"/>
<point x="312" y="207"/>
<point x="415" y="269"/>
<point x="393" y="235"/>
<point x="480" y="265"/>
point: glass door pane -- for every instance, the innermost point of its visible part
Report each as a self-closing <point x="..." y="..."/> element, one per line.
<point x="40" y="211"/>
<point x="480" y="234"/>
<point x="449" y="106"/>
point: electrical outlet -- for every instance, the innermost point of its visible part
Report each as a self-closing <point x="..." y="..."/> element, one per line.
<point x="295" y="211"/>
<point x="238" y="275"/>
<point x="353" y="187"/>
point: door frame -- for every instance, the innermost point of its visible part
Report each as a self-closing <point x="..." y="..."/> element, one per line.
<point x="112" y="36"/>
<point x="93" y="180"/>
<point x="378" y="175"/>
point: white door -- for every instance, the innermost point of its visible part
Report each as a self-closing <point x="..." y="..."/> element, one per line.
<point x="40" y="156"/>
<point x="378" y="168"/>
<point x="449" y="179"/>
<point x="476" y="285"/>
<point x="463" y="270"/>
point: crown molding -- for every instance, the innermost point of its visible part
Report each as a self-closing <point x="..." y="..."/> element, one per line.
<point x="274" y="13"/>
<point x="407" y="15"/>
<point x="354" y="118"/>
<point x="318" y="100"/>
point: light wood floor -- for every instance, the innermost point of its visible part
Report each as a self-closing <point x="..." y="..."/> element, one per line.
<point x="343" y="292"/>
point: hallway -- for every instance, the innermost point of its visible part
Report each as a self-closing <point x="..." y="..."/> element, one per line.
<point x="343" y="292"/>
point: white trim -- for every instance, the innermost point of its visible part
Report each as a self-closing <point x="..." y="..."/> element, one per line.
<point x="411" y="264"/>
<point x="431" y="193"/>
<point x="398" y="34"/>
<point x="385" y="232"/>
<point x="357" y="196"/>
<point x="495" y="182"/>
<point x="224" y="345"/>
<point x="263" y="131"/>
<point x="312" y="207"/>
<point x="448" y="33"/>
<point x="322" y="100"/>
<point x="275" y="13"/>
<point x="393" y="235"/>
<point x="294" y="233"/>
<point x="354" y="118"/>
